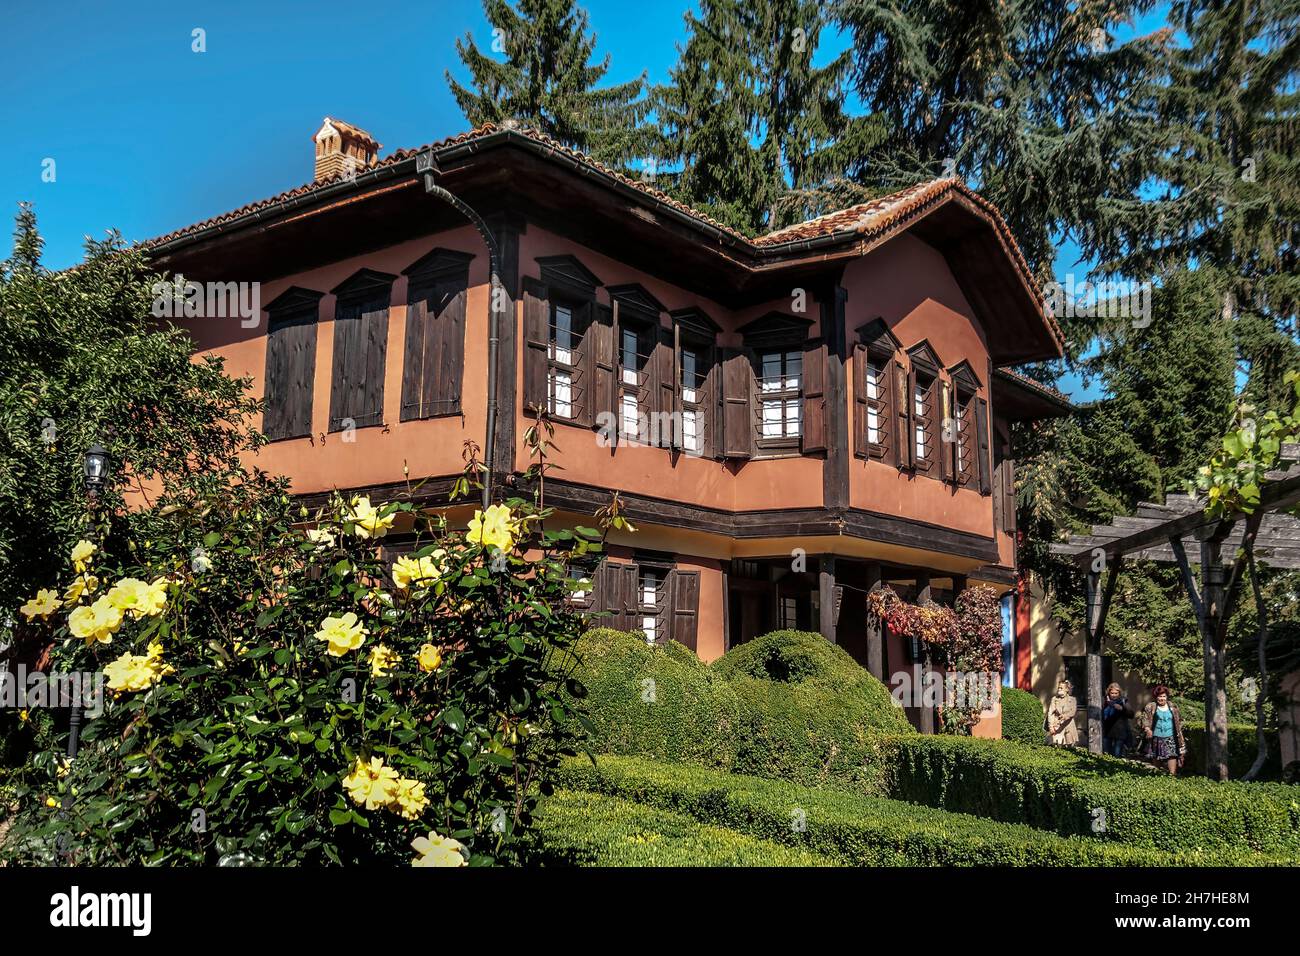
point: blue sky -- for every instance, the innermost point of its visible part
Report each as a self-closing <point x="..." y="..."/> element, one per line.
<point x="147" y="135"/>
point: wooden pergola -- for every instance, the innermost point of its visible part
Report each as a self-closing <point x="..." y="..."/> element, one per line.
<point x="1225" y="547"/>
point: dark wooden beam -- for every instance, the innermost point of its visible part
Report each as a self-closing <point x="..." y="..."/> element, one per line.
<point x="826" y="597"/>
<point x="927" y="714"/>
<point x="875" y="629"/>
<point x="1099" y="599"/>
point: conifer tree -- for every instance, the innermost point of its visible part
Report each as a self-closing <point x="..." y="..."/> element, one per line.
<point x="1227" y="196"/>
<point x="757" y="129"/>
<point x="548" y="80"/>
<point x="1030" y="101"/>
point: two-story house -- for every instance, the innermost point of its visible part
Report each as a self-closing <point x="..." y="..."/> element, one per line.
<point x="789" y="421"/>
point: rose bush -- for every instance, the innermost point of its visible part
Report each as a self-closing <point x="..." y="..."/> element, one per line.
<point x="285" y="695"/>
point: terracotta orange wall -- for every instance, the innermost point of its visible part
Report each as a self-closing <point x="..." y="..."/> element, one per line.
<point x="378" y="455"/>
<point x="909" y="285"/>
<point x="792" y="482"/>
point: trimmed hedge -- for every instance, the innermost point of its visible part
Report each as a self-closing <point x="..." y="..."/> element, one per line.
<point x="1066" y="790"/>
<point x="665" y="703"/>
<point x="858" y="830"/>
<point x="1022" y="717"/>
<point x="587" y="829"/>
<point x="1242" y="749"/>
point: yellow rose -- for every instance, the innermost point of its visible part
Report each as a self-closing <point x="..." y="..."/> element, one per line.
<point x="366" y="520"/>
<point x="495" y="529"/>
<point x="43" y="605"/>
<point x="372" y="784"/>
<point x="82" y="584"/>
<point x="82" y="552"/>
<point x="382" y="660"/>
<point x="437" y="850"/>
<point x="408" y="571"/>
<point x="132" y="596"/>
<point x="409" y="799"/>
<point x="343" y="634"/>
<point x="95" y="622"/>
<point x="132" y="672"/>
<point x="430" y="658"/>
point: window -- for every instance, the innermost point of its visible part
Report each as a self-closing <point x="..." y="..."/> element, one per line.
<point x="781" y="401"/>
<point x="290" y="363"/>
<point x="651" y="594"/>
<point x="924" y="403"/>
<point x="874" y="374"/>
<point x="562" y="372"/>
<point x="360" y="350"/>
<point x="635" y="345"/>
<point x="694" y="337"/>
<point x="558" y="316"/>
<point x="434" y="357"/>
<point x="789" y="613"/>
<point x="960" y="430"/>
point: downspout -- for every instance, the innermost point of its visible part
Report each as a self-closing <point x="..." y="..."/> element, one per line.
<point x="425" y="164"/>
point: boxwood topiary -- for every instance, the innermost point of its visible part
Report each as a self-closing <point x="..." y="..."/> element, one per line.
<point x="1022" y="716"/>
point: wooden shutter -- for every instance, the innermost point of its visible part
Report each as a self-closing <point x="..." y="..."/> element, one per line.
<point x="861" y="442"/>
<point x="537" y="339"/>
<point x="738" y="414"/>
<point x="290" y="374"/>
<point x="906" y="417"/>
<point x="711" y="406"/>
<point x="813" y="427"/>
<point x="584" y="371"/>
<point x="982" y="444"/>
<point x="434" y="359"/>
<point x="683" y="606"/>
<point x="604" y="353"/>
<point x="1008" y="493"/>
<point x="947" y="446"/>
<point x="663" y="398"/>
<point x="360" y="347"/>
<point x="617" y="595"/>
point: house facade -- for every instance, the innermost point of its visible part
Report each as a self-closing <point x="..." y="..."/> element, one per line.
<point x="788" y="421"/>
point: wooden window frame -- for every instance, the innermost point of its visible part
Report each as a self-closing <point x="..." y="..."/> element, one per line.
<point x="442" y="276"/>
<point x="876" y="347"/>
<point x="294" y="308"/>
<point x="564" y="282"/>
<point x="784" y="395"/>
<point x="923" y="374"/>
<point x="361" y="302"/>
<point x="695" y="332"/>
<point x="784" y="333"/>
<point x="964" y="468"/>
<point x="580" y="392"/>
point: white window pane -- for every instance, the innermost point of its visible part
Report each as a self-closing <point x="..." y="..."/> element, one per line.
<point x="691" y="430"/>
<point x="873" y="424"/>
<point x="793" y="410"/>
<point x="629" y="416"/>
<point x="560" y="391"/>
<point x="772" y="418"/>
<point x="689" y="395"/>
<point x="873" y="382"/>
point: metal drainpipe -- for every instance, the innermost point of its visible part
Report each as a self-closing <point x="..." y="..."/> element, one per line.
<point x="425" y="164"/>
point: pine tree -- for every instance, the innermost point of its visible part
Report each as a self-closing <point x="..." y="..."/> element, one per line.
<point x="1030" y="101"/>
<point x="549" y="81"/>
<point x="1228" y="176"/>
<point x="759" y="132"/>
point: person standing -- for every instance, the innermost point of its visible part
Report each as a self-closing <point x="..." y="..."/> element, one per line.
<point x="1163" y="730"/>
<point x="1115" y="716"/>
<point x="1059" y="721"/>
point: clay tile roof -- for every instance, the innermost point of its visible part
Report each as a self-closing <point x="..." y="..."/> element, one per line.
<point x="871" y="216"/>
<point x="865" y="219"/>
<point x="1033" y="385"/>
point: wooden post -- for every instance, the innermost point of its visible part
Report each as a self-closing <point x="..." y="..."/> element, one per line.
<point x="1213" y="595"/>
<point x="1098" y="606"/>
<point x="927" y="713"/>
<point x="875" y="630"/>
<point x="826" y="596"/>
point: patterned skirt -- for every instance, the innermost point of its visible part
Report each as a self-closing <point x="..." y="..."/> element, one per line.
<point x="1164" y="748"/>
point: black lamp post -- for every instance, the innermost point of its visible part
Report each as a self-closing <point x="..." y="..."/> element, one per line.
<point x="94" y="469"/>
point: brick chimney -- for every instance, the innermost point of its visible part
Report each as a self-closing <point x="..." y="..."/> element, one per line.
<point x="342" y="148"/>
